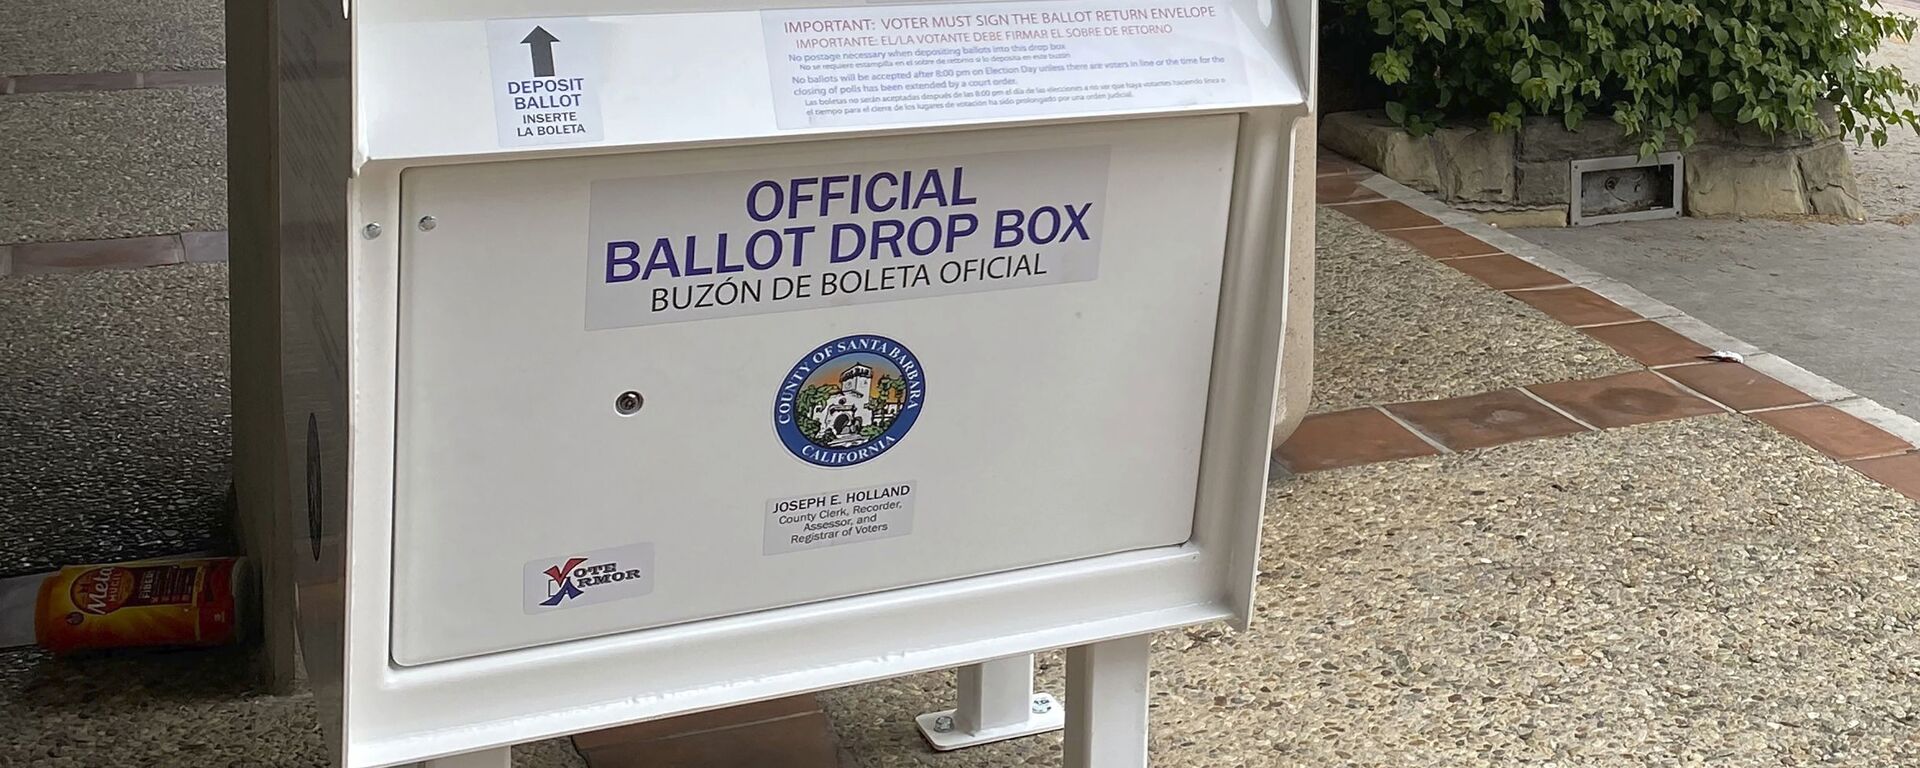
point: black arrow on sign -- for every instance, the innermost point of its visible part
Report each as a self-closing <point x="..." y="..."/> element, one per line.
<point x="541" y="42"/>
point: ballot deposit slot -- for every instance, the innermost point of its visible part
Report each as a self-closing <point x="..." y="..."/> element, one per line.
<point x="646" y="358"/>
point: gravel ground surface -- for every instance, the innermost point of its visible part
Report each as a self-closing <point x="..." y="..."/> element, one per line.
<point x="1704" y="592"/>
<point x="110" y="35"/>
<point x="114" y="438"/>
<point x="1889" y="176"/>
<point x="168" y="710"/>
<point x="83" y="166"/>
<point x="1393" y="325"/>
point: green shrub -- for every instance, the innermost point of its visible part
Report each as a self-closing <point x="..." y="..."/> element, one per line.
<point x="1654" y="66"/>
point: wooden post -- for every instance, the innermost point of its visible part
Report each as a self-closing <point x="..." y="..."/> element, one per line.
<point x="253" y="287"/>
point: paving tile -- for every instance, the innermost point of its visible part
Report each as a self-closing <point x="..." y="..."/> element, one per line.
<point x="111" y="36"/>
<point x="1834" y="432"/>
<point x="106" y="164"/>
<point x="716" y="719"/>
<point x="1484" y="421"/>
<point x="205" y="247"/>
<point x="1649" y="342"/>
<point x="1624" y="400"/>
<point x="190" y="78"/>
<point x="1388" y="215"/>
<point x="1335" y="165"/>
<point x="1576" y="306"/>
<point x="1349" y="438"/>
<point x="1445" y="242"/>
<point x="1335" y="190"/>
<point x="796" y="741"/>
<point x="1505" y="273"/>
<point x="89" y="255"/>
<point x="1901" y="473"/>
<point x="92" y="81"/>
<point x="1736" y="386"/>
<point x="6" y="260"/>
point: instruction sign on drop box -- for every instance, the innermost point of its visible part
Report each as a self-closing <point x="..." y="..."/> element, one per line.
<point x="676" y="248"/>
<point x="546" y="80"/>
<point x="922" y="63"/>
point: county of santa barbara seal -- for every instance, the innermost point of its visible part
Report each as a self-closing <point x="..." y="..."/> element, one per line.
<point x="849" y="400"/>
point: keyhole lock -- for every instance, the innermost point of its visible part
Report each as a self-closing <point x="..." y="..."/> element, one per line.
<point x="628" y="403"/>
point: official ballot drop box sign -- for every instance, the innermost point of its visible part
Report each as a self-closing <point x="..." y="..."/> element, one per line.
<point x="640" y="358"/>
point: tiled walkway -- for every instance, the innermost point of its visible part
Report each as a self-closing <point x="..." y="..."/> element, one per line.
<point x="1681" y="381"/>
<point x="1642" y="559"/>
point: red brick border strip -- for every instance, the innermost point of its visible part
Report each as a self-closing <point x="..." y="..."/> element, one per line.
<point x="111" y="81"/>
<point x="793" y="732"/>
<point x="1677" y="384"/>
<point x="117" y="253"/>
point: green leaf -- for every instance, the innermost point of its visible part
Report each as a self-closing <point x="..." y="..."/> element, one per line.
<point x="1397" y="112"/>
<point x="1654" y="67"/>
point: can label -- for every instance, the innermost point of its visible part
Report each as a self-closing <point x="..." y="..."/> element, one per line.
<point x="156" y="603"/>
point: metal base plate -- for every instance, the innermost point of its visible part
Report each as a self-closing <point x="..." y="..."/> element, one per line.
<point x="1047" y="715"/>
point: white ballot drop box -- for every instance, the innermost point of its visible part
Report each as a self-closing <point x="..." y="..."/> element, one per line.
<point x="630" y="358"/>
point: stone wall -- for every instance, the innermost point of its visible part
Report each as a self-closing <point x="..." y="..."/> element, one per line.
<point x="1730" y="172"/>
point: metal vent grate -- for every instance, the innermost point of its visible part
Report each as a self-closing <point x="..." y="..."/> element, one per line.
<point x="1626" y="188"/>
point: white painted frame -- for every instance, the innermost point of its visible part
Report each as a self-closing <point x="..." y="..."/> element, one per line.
<point x="397" y="715"/>
<point x="380" y="714"/>
<point x="1579" y="168"/>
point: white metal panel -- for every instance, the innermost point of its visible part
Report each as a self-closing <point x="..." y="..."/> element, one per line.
<point x="1061" y="422"/>
<point x="395" y="715"/>
<point x="670" y="75"/>
<point x="400" y="714"/>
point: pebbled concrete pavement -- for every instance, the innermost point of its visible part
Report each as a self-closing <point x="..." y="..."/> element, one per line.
<point x="114" y="423"/>
<point x="1393" y="325"/>
<point x="1701" y="592"/>
<point x="103" y="164"/>
<point x="110" y="36"/>
<point x="168" y="710"/>
<point x="1889" y="176"/>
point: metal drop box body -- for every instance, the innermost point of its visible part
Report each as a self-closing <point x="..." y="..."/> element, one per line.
<point x="621" y="371"/>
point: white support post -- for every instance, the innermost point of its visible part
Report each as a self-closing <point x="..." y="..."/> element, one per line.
<point x="997" y="702"/>
<point x="1107" y="693"/>
<point x="498" y="757"/>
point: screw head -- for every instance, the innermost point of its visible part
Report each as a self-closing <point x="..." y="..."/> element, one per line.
<point x="427" y="223"/>
<point x="1042" y="705"/>
<point x="371" y="231"/>
<point x="943" y="723"/>
<point x="628" y="403"/>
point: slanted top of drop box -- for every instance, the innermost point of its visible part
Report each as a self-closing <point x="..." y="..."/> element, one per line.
<point x="443" y="79"/>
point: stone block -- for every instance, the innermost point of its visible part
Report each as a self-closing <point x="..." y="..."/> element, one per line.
<point x="1374" y="141"/>
<point x="1826" y="173"/>
<point x="1543" y="183"/>
<point x="1737" y="182"/>
<point x="1709" y="130"/>
<point x="1474" y="164"/>
<point x="1547" y="138"/>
